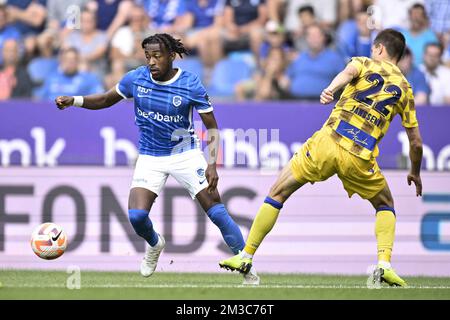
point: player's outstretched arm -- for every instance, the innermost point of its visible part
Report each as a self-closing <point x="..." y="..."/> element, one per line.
<point x="341" y="80"/>
<point x="213" y="148"/>
<point x="415" y="155"/>
<point x="92" y="102"/>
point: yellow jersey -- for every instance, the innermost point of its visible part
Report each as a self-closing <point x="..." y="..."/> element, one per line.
<point x="368" y="104"/>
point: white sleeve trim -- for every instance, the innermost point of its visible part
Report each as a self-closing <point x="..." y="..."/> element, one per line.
<point x="205" y="110"/>
<point x="120" y="92"/>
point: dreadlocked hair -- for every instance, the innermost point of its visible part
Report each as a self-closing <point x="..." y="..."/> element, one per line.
<point x="166" y="40"/>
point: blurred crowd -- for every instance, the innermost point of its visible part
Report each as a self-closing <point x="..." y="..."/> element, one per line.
<point x="242" y="49"/>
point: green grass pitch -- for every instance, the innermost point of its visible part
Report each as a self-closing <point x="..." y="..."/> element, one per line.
<point x="21" y="284"/>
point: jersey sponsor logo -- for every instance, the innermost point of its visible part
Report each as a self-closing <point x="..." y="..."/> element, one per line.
<point x="159" y="116"/>
<point x="144" y="90"/>
<point x="176" y="100"/>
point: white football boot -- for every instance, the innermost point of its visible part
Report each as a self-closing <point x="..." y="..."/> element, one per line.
<point x="148" y="264"/>
<point x="251" y="278"/>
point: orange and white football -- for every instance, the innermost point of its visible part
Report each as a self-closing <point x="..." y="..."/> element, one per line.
<point x="49" y="241"/>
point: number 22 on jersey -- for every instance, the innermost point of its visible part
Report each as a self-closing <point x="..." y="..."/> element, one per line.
<point x="369" y="95"/>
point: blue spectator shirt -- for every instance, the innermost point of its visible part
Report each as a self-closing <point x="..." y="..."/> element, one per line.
<point x="24" y="28"/>
<point x="265" y="47"/>
<point x="417" y="80"/>
<point x="204" y="16"/>
<point x="349" y="42"/>
<point x="79" y="84"/>
<point x="418" y="42"/>
<point x="106" y="13"/>
<point x="245" y="11"/>
<point x="163" y="12"/>
<point x="439" y="14"/>
<point x="309" y="75"/>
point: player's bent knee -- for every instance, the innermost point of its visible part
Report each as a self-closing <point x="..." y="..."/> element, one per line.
<point x="215" y="197"/>
<point x="137" y="217"/>
<point x="141" y="199"/>
<point x="208" y="200"/>
<point x="216" y="211"/>
<point x="382" y="199"/>
<point x="277" y="194"/>
<point x="382" y="203"/>
<point x="283" y="188"/>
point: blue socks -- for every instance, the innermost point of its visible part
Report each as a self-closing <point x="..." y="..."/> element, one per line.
<point x="218" y="214"/>
<point x="229" y="229"/>
<point x="143" y="225"/>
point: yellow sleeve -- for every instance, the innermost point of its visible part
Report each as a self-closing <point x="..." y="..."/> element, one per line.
<point x="409" y="118"/>
<point x="358" y="63"/>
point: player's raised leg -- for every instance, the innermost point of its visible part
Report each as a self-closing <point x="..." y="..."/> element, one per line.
<point x="139" y="204"/>
<point x="192" y="171"/>
<point x="231" y="233"/>
<point x="265" y="219"/>
<point x="385" y="234"/>
<point x="216" y="211"/>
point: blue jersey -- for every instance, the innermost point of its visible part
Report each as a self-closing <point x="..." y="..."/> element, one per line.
<point x="245" y="11"/>
<point x="163" y="12"/>
<point x="106" y="13"/>
<point x="26" y="28"/>
<point x="163" y="110"/>
<point x="204" y="15"/>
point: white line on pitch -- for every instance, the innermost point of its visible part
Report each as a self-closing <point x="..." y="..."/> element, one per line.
<point x="225" y="286"/>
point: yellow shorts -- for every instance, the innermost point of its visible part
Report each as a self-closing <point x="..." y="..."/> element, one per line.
<point x="321" y="157"/>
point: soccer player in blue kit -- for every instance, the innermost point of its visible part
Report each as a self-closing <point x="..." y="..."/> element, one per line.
<point x="163" y="101"/>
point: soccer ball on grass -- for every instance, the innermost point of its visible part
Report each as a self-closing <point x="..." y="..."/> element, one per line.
<point x="48" y="241"/>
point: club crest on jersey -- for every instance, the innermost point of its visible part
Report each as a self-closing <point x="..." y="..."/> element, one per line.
<point x="176" y="100"/>
<point x="201" y="172"/>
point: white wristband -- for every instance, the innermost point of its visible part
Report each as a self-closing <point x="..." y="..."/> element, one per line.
<point x="78" y="101"/>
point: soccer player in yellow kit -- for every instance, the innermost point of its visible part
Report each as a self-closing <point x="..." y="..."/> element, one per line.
<point x="375" y="91"/>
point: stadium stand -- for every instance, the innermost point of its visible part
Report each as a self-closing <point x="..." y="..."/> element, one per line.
<point x="229" y="64"/>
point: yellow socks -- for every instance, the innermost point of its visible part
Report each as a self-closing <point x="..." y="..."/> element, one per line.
<point x="263" y="223"/>
<point x="385" y="233"/>
<point x="268" y="214"/>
